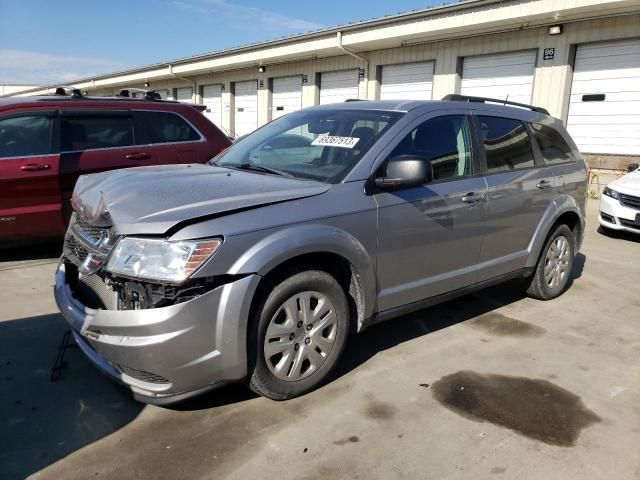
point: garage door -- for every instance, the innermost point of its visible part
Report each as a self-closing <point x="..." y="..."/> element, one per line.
<point x="286" y="96"/>
<point x="336" y="87"/>
<point x="604" y="109"/>
<point x="246" y="107"/>
<point x="212" y="99"/>
<point x="408" y="81"/>
<point x="184" y="94"/>
<point x="499" y="76"/>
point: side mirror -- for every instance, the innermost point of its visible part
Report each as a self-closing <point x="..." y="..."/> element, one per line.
<point x="405" y="171"/>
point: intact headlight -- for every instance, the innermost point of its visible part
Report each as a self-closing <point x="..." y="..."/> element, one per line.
<point x="609" y="192"/>
<point x="160" y="260"/>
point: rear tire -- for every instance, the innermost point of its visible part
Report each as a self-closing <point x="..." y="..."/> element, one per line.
<point x="553" y="271"/>
<point x="298" y="331"/>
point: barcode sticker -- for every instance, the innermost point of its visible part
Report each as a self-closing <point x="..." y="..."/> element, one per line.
<point x="331" y="141"/>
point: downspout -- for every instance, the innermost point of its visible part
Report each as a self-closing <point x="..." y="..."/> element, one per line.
<point x="359" y="57"/>
<point x="193" y="83"/>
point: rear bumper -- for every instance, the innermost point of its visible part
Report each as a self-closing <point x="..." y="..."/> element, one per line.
<point x="166" y="354"/>
<point x="616" y="216"/>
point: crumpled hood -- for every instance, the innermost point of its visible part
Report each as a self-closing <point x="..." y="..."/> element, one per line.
<point x="629" y="182"/>
<point x="152" y="200"/>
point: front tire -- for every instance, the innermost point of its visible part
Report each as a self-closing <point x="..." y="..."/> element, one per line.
<point x="298" y="332"/>
<point x="553" y="271"/>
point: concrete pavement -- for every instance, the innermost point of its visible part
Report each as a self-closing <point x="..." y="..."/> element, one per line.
<point x="487" y="386"/>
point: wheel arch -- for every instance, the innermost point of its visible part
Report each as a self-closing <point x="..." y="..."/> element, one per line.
<point x="315" y="247"/>
<point x="563" y="210"/>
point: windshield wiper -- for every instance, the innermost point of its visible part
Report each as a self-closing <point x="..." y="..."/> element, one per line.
<point x="260" y="168"/>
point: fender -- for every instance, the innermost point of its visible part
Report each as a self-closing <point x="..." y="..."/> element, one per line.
<point x="557" y="208"/>
<point x="288" y="243"/>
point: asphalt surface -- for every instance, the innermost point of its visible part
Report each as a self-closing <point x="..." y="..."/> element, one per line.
<point x="492" y="385"/>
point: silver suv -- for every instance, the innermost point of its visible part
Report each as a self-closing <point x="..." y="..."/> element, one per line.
<point x="258" y="266"/>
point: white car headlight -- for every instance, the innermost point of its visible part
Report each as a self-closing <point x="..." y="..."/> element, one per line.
<point x="610" y="192"/>
<point x="161" y="260"/>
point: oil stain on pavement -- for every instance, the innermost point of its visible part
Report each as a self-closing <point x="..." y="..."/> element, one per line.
<point x="537" y="409"/>
<point x="495" y="323"/>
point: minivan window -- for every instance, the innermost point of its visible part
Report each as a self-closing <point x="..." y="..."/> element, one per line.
<point x="322" y="145"/>
<point x="506" y="143"/>
<point x="25" y="136"/>
<point x="445" y="142"/>
<point x="165" y="127"/>
<point x="553" y="147"/>
<point x="89" y="132"/>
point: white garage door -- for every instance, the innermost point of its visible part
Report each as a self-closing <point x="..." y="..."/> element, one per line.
<point x="246" y="107"/>
<point x="286" y="96"/>
<point x="164" y="94"/>
<point x="184" y="94"/>
<point x="408" y="81"/>
<point x="499" y="76"/>
<point x="336" y="87"/>
<point x="604" y="109"/>
<point x="212" y="99"/>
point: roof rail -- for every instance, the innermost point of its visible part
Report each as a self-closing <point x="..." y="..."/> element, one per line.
<point x="465" y="98"/>
<point x="72" y="91"/>
<point x="354" y="100"/>
<point x="148" y="94"/>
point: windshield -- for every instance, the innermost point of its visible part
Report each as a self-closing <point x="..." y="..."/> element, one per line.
<point x="322" y="145"/>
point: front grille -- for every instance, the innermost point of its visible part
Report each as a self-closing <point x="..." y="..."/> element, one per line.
<point x="629" y="223"/>
<point x="92" y="232"/>
<point x="630" y="201"/>
<point x="86" y="245"/>
<point x="142" y="375"/>
<point x="94" y="293"/>
<point x="74" y="250"/>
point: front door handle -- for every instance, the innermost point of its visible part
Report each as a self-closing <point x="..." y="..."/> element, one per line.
<point x="473" y="197"/>
<point x="137" y="156"/>
<point x="542" y="184"/>
<point x="32" y="167"/>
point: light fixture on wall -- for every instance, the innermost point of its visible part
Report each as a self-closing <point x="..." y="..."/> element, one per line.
<point x="555" y="30"/>
<point x="262" y="69"/>
<point x="146" y="84"/>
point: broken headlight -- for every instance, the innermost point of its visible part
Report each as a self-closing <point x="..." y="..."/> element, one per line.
<point x="160" y="260"/>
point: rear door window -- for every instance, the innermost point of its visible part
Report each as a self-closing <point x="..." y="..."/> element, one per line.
<point x="553" y="147"/>
<point x="164" y="127"/>
<point x="25" y="136"/>
<point x="507" y="144"/>
<point x="90" y="132"/>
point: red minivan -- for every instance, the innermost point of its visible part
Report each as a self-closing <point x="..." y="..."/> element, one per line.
<point x="47" y="142"/>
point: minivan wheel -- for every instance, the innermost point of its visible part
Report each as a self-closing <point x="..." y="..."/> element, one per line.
<point x="299" y="330"/>
<point x="553" y="272"/>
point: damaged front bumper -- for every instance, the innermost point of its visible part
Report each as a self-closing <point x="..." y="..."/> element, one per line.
<point x="170" y="353"/>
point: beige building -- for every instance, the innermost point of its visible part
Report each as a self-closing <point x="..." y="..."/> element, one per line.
<point x="580" y="59"/>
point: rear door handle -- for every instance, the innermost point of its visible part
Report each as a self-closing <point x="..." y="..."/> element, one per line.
<point x="32" y="167"/>
<point x="473" y="197"/>
<point x="542" y="184"/>
<point x="137" y="156"/>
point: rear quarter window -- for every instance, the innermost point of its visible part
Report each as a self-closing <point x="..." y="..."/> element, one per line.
<point x="506" y="143"/>
<point x="164" y="127"/>
<point x="553" y="147"/>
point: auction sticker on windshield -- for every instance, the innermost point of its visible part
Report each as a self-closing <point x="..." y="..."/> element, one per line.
<point x="331" y="141"/>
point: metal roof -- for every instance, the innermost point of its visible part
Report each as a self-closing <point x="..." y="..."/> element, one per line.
<point x="424" y="12"/>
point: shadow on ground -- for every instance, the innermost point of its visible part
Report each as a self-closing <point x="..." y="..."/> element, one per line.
<point x="619" y="235"/>
<point x="44" y="422"/>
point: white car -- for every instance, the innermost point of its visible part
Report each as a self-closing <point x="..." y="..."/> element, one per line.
<point x="620" y="203"/>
